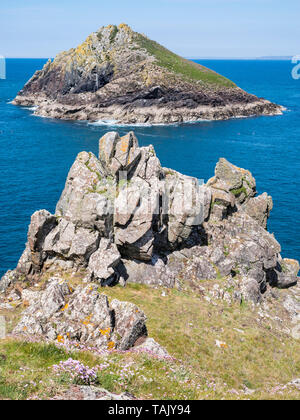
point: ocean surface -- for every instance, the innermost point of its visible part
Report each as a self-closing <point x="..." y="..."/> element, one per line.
<point x="36" y="153"/>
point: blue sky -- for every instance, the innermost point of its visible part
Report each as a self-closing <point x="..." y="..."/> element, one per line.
<point x="192" y="28"/>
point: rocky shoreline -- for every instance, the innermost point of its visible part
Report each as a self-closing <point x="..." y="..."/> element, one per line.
<point x="146" y="115"/>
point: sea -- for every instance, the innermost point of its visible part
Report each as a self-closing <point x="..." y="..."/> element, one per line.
<point x="36" y="153"/>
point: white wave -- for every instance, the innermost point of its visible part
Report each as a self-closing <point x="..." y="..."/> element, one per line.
<point x="115" y="123"/>
<point x="31" y="108"/>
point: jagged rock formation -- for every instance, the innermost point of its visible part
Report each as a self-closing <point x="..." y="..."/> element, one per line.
<point x="118" y="74"/>
<point x="123" y="217"/>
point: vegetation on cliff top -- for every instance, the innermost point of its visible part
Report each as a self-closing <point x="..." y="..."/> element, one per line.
<point x="188" y="70"/>
<point x="256" y="362"/>
<point x="176" y="64"/>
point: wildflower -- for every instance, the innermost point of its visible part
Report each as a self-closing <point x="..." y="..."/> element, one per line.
<point x="78" y="372"/>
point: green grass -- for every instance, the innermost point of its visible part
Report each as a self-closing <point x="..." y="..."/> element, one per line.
<point x="237" y="192"/>
<point x="259" y="357"/>
<point x="113" y="33"/>
<point x="179" y="65"/>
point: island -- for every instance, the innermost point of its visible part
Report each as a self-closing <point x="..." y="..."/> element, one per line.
<point x="120" y="76"/>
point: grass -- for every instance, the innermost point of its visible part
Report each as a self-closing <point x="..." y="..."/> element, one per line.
<point x="237" y="192"/>
<point x="179" y="65"/>
<point x="113" y="33"/>
<point x="256" y="356"/>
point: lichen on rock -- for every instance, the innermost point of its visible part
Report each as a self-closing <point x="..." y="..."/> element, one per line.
<point x="123" y="218"/>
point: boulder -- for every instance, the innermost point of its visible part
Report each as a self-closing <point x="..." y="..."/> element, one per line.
<point x="149" y="345"/>
<point x="91" y="393"/>
<point x="9" y="278"/>
<point x="67" y="241"/>
<point x="136" y="219"/>
<point x="119" y="153"/>
<point x="186" y="205"/>
<point x="87" y="200"/>
<point x="284" y="275"/>
<point x="103" y="263"/>
<point x="42" y="222"/>
<point x="235" y="180"/>
<point x="250" y="290"/>
<point x="259" y="208"/>
<point x="24" y="266"/>
<point x="82" y="316"/>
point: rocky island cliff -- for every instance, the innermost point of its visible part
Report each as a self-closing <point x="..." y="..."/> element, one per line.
<point x="122" y="76"/>
<point x="122" y="218"/>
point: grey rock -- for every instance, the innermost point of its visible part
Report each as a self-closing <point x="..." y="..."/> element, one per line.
<point x="24" y="266"/>
<point x="129" y="324"/>
<point x="187" y="207"/>
<point x="87" y="200"/>
<point x="259" y="208"/>
<point x="123" y="217"/>
<point x="103" y="263"/>
<point x="83" y="316"/>
<point x="237" y="181"/>
<point x="284" y="275"/>
<point x="70" y="242"/>
<point x="149" y="345"/>
<point x="91" y="393"/>
<point x="250" y="290"/>
<point x="42" y="222"/>
<point x="136" y="208"/>
<point x="9" y="278"/>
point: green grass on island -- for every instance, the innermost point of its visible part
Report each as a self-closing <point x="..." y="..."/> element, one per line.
<point x="176" y="64"/>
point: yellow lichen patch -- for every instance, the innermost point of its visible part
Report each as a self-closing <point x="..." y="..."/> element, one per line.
<point x="111" y="345"/>
<point x="60" y="339"/>
<point x="65" y="307"/>
<point x="83" y="52"/>
<point x="125" y="27"/>
<point x="87" y="320"/>
<point x="292" y="262"/>
<point x="105" y="331"/>
<point x="124" y="144"/>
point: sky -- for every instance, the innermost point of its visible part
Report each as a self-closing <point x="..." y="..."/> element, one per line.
<point x="191" y="28"/>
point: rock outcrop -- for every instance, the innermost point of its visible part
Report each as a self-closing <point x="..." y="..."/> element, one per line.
<point x="120" y="75"/>
<point x="82" y="316"/>
<point x="124" y="218"/>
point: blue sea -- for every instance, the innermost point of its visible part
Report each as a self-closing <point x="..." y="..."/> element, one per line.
<point x="36" y="153"/>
